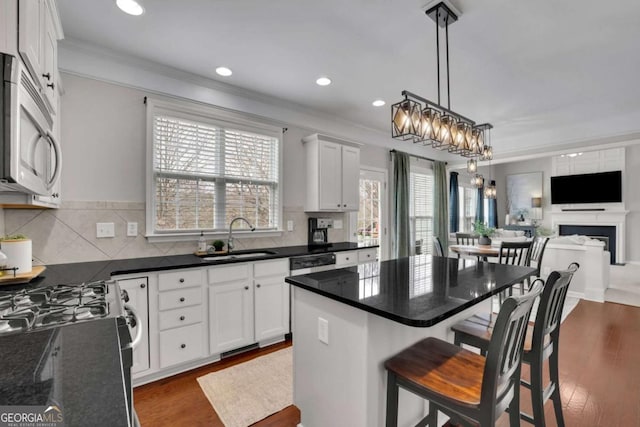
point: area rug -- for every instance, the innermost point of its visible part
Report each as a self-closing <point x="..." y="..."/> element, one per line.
<point x="251" y="391"/>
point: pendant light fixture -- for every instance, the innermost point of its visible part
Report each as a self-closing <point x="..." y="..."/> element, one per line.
<point x="420" y="120"/>
<point x="490" y="190"/>
<point x="477" y="180"/>
<point x="472" y="165"/>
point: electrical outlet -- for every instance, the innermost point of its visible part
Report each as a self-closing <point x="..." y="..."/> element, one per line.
<point x="290" y="225"/>
<point x="132" y="229"/>
<point x="105" y="229"/>
<point x="323" y="330"/>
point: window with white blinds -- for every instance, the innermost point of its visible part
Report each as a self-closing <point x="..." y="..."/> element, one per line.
<point x="206" y="171"/>
<point x="421" y="210"/>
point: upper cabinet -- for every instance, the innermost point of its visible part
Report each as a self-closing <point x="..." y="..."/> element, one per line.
<point x="39" y="30"/>
<point x="333" y="174"/>
<point x="589" y="162"/>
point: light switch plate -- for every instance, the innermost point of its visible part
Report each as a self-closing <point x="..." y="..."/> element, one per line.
<point x="323" y="330"/>
<point x="132" y="229"/>
<point x="105" y="229"/>
<point x="290" y="225"/>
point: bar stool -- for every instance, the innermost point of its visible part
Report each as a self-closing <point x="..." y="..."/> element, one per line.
<point x="465" y="385"/>
<point x="541" y="343"/>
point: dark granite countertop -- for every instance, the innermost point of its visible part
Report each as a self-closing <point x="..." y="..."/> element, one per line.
<point x="416" y="291"/>
<point x="102" y="270"/>
<point x="76" y="366"/>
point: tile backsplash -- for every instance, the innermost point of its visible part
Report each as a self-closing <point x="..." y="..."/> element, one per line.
<point x="68" y="234"/>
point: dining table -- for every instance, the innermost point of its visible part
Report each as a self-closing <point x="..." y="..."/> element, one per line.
<point x="483" y="251"/>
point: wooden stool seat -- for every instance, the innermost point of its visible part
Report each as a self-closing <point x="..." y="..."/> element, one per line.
<point x="445" y="369"/>
<point x="468" y="387"/>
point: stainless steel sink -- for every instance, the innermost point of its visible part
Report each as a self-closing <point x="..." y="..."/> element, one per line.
<point x="239" y="255"/>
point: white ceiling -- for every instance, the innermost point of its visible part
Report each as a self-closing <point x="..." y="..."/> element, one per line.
<point x="544" y="73"/>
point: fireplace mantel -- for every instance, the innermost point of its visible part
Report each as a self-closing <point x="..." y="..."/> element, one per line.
<point x="610" y="217"/>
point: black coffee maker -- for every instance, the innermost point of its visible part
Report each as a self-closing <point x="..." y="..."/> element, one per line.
<point x="319" y="231"/>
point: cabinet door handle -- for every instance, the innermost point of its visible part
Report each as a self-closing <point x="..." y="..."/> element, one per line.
<point x="181" y="317"/>
<point x="181" y="299"/>
<point x="338" y="204"/>
<point x="246" y="288"/>
<point x="183" y="345"/>
<point x="347" y="258"/>
<point x="181" y="280"/>
<point x="142" y="285"/>
<point x="51" y="85"/>
<point x="47" y="76"/>
<point x="344" y="206"/>
<point x="258" y="285"/>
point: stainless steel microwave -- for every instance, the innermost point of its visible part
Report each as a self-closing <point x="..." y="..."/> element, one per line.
<point x="30" y="153"/>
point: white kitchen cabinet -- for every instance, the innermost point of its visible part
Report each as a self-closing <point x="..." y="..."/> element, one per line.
<point x="333" y="174"/>
<point x="248" y="303"/>
<point x="38" y="33"/>
<point x="180" y="319"/>
<point x="355" y="257"/>
<point x="230" y="307"/>
<point x="138" y="291"/>
<point x="271" y="299"/>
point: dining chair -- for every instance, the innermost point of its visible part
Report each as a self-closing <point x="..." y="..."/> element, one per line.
<point x="535" y="258"/>
<point x="462" y="384"/>
<point x="514" y="253"/>
<point x="541" y="343"/>
<point x="437" y="246"/>
<point x="467" y="239"/>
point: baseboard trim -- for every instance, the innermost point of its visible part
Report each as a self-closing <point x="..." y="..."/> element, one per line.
<point x="633" y="263"/>
<point x="594" y="295"/>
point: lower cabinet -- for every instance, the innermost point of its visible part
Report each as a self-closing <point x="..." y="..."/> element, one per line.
<point x="180" y="320"/>
<point x="230" y="314"/>
<point x="248" y="303"/>
<point x="138" y="291"/>
<point x="271" y="299"/>
<point x="180" y="345"/>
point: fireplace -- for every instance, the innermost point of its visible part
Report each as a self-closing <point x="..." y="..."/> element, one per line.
<point x="606" y="233"/>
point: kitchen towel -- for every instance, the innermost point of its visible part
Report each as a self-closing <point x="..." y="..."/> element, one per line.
<point x="251" y="391"/>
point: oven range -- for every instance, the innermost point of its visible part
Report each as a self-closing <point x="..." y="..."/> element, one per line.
<point x="31" y="310"/>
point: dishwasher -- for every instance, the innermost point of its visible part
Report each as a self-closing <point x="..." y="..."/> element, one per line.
<point x="312" y="263"/>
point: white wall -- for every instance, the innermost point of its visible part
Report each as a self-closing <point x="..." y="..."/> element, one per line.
<point x="632" y="202"/>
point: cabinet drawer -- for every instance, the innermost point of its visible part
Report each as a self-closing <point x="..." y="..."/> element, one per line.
<point x="180" y="298"/>
<point x="180" y="317"/>
<point x="344" y="259"/>
<point x="180" y="345"/>
<point x="278" y="267"/>
<point x="228" y="273"/>
<point x="179" y="279"/>
<point x="366" y="255"/>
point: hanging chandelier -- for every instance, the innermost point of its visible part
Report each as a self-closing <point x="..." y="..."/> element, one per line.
<point x="420" y="120"/>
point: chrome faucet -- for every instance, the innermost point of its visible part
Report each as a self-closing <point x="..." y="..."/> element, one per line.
<point x="230" y="238"/>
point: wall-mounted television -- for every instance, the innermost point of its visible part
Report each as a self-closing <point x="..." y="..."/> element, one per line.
<point x="602" y="187"/>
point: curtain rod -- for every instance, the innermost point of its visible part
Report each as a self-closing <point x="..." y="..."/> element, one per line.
<point x="414" y="155"/>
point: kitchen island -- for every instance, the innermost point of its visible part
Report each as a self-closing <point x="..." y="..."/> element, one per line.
<point x="347" y="322"/>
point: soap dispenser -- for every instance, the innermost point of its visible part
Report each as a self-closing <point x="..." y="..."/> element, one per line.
<point x="202" y="243"/>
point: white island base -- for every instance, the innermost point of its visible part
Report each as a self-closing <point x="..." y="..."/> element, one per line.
<point x="343" y="383"/>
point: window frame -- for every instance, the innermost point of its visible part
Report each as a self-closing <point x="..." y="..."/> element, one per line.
<point x="219" y="117"/>
<point x="462" y="206"/>
<point x="418" y="166"/>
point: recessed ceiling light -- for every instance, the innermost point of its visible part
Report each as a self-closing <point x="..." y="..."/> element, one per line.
<point x="132" y="7"/>
<point x="323" y="81"/>
<point x="378" y="103"/>
<point x="224" y="71"/>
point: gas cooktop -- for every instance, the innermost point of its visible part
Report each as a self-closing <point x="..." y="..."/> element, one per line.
<point x="30" y="309"/>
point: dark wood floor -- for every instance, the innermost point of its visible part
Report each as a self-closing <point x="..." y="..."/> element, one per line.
<point x="599" y="377"/>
